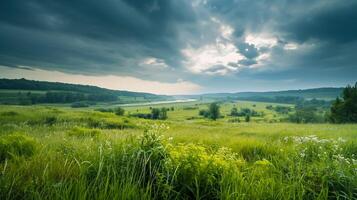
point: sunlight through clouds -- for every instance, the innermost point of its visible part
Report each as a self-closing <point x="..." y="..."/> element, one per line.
<point x="219" y="58"/>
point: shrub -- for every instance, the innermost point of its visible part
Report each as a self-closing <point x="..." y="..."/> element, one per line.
<point x="212" y="112"/>
<point x="16" y="145"/>
<point x="247" y="118"/>
<point x="204" y="113"/>
<point x="119" y="111"/>
<point x="156" y="113"/>
<point x="244" y="112"/>
<point x="198" y="171"/>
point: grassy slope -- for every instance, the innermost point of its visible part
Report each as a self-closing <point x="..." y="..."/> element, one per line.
<point x="69" y="167"/>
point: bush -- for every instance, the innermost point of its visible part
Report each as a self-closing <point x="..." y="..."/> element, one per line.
<point x="119" y="111"/>
<point x="16" y="145"/>
<point x="244" y="112"/>
<point x="156" y="113"/>
<point x="204" y="113"/>
<point x="184" y="171"/>
<point x="247" y="118"/>
<point x="212" y="112"/>
<point x="198" y="171"/>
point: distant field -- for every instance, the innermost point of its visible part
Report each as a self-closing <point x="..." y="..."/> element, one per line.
<point x="57" y="152"/>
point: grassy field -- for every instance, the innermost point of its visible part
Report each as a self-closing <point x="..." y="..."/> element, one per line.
<point x="57" y="152"/>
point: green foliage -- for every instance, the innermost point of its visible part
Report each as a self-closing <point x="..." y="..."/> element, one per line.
<point x="214" y="112"/>
<point x="247" y="118"/>
<point x="234" y="111"/>
<point x="280" y="109"/>
<point x="345" y="110"/>
<point x="156" y="113"/>
<point x="305" y="115"/>
<point x="204" y="113"/>
<point x="119" y="111"/>
<point x="16" y="145"/>
<point x="196" y="159"/>
<point x="244" y="112"/>
<point x="198" y="171"/>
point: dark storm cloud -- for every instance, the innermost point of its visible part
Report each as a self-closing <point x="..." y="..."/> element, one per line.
<point x="97" y="36"/>
<point x="115" y="36"/>
<point x="335" y="22"/>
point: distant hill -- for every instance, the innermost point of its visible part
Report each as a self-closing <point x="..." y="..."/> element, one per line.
<point x="287" y="96"/>
<point x="22" y="91"/>
<point x="318" y="93"/>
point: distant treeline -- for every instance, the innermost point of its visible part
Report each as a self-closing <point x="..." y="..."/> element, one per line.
<point x="23" y="84"/>
<point x="64" y="93"/>
<point x="298" y="101"/>
<point x="28" y="98"/>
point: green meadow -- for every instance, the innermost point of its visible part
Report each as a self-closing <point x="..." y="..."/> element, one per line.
<point x="58" y="152"/>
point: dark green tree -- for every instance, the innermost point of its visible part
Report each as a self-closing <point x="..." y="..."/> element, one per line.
<point x="119" y="111"/>
<point x="247" y="118"/>
<point x="155" y="113"/>
<point x="163" y="113"/>
<point x="234" y="112"/>
<point x="345" y="110"/>
<point x="214" y="111"/>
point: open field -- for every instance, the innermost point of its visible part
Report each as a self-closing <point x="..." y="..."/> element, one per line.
<point x="56" y="152"/>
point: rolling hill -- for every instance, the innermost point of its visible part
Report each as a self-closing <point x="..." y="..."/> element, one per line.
<point x="287" y="96"/>
<point x="22" y="91"/>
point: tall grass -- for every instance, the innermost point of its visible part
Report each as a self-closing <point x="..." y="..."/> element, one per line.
<point x="69" y="159"/>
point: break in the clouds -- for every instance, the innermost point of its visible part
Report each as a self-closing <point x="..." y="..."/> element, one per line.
<point x="214" y="45"/>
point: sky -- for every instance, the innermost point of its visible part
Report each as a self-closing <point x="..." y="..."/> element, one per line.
<point x="181" y="46"/>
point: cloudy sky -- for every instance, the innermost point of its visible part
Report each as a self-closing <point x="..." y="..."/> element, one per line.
<point x="181" y="46"/>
